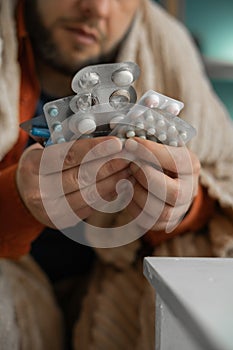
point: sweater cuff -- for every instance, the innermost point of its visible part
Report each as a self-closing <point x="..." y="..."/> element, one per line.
<point x="195" y="219"/>
<point x="18" y="227"/>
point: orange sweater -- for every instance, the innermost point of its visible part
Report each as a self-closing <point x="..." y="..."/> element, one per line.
<point x="18" y="227"/>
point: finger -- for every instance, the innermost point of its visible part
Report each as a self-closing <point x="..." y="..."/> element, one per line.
<point x="31" y="158"/>
<point x="93" y="172"/>
<point x="167" y="220"/>
<point x="154" y="206"/>
<point x="95" y="192"/>
<point x="70" y="154"/>
<point x="176" y="191"/>
<point x="174" y="159"/>
<point x="145" y="221"/>
<point x="74" y="179"/>
<point x="85" y="212"/>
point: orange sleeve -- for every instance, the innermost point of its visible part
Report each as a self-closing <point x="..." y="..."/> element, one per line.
<point x="18" y="228"/>
<point x="196" y="218"/>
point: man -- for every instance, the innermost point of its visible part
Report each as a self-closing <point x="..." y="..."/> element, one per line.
<point x="54" y="40"/>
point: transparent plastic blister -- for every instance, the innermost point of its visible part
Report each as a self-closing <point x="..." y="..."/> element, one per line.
<point x="106" y="103"/>
<point x="155" y="118"/>
<point x="153" y="99"/>
<point x="102" y="92"/>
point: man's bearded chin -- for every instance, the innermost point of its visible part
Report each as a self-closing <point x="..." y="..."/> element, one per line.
<point x="47" y="52"/>
<point x="50" y="55"/>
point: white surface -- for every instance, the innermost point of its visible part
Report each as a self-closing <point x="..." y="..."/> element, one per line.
<point x="199" y="291"/>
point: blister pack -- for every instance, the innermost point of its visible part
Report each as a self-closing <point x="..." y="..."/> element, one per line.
<point x="154" y="117"/>
<point x="105" y="103"/>
<point x="102" y="93"/>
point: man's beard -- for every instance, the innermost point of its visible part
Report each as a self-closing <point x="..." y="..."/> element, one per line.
<point x="46" y="50"/>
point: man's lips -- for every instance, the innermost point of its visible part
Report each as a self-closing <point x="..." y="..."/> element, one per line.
<point x="84" y="35"/>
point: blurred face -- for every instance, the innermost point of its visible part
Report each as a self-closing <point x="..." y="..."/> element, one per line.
<point x="68" y="34"/>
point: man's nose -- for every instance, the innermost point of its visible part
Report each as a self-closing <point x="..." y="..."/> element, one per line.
<point x="96" y="8"/>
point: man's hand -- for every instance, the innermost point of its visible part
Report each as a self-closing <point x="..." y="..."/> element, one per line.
<point x="166" y="177"/>
<point x="53" y="174"/>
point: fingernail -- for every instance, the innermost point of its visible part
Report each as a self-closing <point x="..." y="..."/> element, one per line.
<point x="113" y="146"/>
<point x="131" y="145"/>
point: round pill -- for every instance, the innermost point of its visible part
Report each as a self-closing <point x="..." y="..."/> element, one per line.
<point x="162" y="137"/>
<point x="152" y="101"/>
<point x="122" y="78"/>
<point x="86" y="126"/>
<point x="88" y="80"/>
<point x="140" y="125"/>
<point x="53" y="112"/>
<point x="73" y="123"/>
<point x="61" y="140"/>
<point x="173" y="108"/>
<point x="160" y="123"/>
<point x="119" y="99"/>
<point x="130" y="133"/>
<point x="172" y="130"/>
<point x="151" y="131"/>
<point x="183" y="135"/>
<point x="84" y="102"/>
<point x="149" y="116"/>
<point x="57" y="127"/>
<point x="173" y="143"/>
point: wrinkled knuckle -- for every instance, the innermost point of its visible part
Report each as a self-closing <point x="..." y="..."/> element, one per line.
<point x="175" y="195"/>
<point x="166" y="213"/>
<point x="73" y="179"/>
<point x="85" y="176"/>
<point x="34" y="198"/>
<point x="69" y="159"/>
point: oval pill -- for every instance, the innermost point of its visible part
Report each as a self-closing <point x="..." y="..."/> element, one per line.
<point x="152" y="101"/>
<point x="173" y="108"/>
<point x="86" y="126"/>
<point x="122" y="78"/>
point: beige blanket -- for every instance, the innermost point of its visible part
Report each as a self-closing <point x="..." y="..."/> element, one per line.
<point x="118" y="310"/>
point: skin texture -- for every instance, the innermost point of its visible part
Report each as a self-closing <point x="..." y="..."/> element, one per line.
<point x="79" y="33"/>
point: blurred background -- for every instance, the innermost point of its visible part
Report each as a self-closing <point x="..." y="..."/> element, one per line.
<point x="211" y="24"/>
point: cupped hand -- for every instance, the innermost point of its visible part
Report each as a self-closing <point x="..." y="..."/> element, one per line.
<point x="76" y="173"/>
<point x="166" y="182"/>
